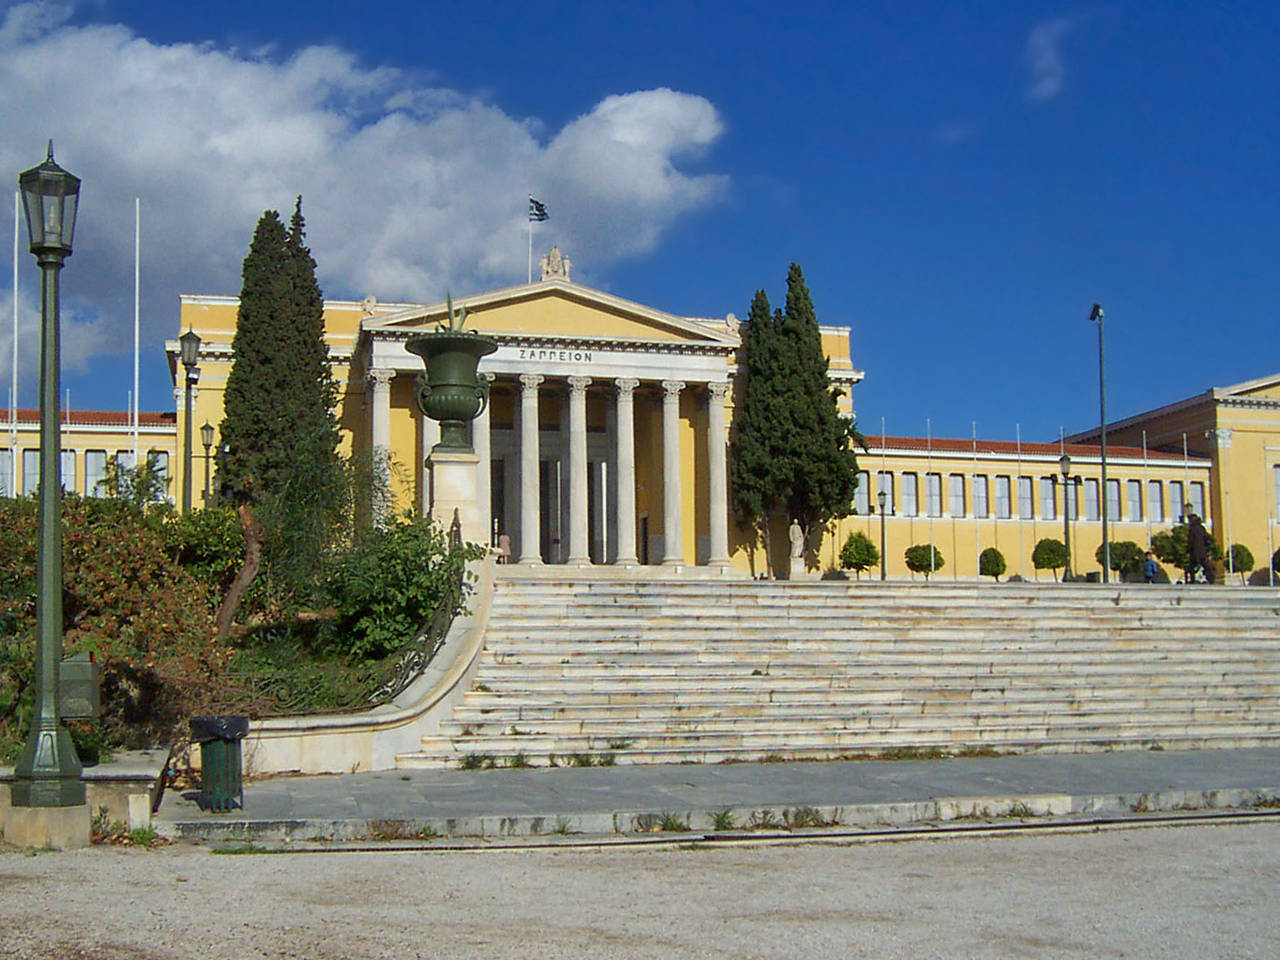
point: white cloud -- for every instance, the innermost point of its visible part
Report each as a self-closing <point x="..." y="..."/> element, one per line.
<point x="407" y="189"/>
<point x="1047" y="72"/>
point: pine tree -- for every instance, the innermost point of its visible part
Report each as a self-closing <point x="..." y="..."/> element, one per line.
<point x="819" y="468"/>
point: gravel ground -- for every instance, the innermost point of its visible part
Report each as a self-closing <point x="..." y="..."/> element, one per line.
<point x="1169" y="892"/>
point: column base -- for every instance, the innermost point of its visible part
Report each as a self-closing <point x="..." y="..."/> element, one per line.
<point x="530" y="562"/>
<point x="57" y="828"/>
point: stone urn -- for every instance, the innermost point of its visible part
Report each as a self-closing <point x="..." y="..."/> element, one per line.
<point x="449" y="390"/>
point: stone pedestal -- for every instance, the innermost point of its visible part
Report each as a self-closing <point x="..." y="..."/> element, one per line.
<point x="453" y="489"/>
<point x="796" y="570"/>
<point x="59" y="828"/>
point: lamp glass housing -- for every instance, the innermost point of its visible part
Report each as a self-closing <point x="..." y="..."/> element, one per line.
<point x="49" y="197"/>
<point x="206" y="435"/>
<point x="189" y="343"/>
<point x="1064" y="462"/>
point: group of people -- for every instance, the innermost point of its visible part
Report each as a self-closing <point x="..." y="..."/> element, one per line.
<point x="1199" y="549"/>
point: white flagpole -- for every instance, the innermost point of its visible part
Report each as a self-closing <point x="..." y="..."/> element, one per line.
<point x="529" y="216"/>
<point x="1145" y="499"/>
<point x="13" y="402"/>
<point x="977" y="524"/>
<point x="928" y="482"/>
<point x="137" y="285"/>
<point x="1022" y="547"/>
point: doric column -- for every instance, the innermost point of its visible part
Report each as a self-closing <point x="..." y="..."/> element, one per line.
<point x="530" y="552"/>
<point x="380" y="438"/>
<point x="717" y="481"/>
<point x="626" y="469"/>
<point x="579" y="550"/>
<point x="484" y="468"/>
<point x="672" y="521"/>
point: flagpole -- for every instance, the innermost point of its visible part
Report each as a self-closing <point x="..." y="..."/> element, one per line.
<point x="137" y="284"/>
<point x="529" y="216"/>
<point x="928" y="482"/>
<point x="13" y="394"/>
<point x="1022" y="545"/>
<point x="977" y="526"/>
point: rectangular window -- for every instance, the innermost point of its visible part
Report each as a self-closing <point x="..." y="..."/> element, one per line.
<point x="1048" y="498"/>
<point x="159" y="461"/>
<point x="124" y="459"/>
<point x="980" y="508"/>
<point x="30" y="472"/>
<point x="1092" y="508"/>
<point x="1026" y="506"/>
<point x="95" y="469"/>
<point x="1197" y="499"/>
<point x="910" y="496"/>
<point x="1155" y="501"/>
<point x="1134" y="489"/>
<point x="957" y="495"/>
<point x="1071" y="489"/>
<point x="1004" y="505"/>
<point x="862" y="494"/>
<point x="6" y="473"/>
<point x="68" y="466"/>
<point x="933" y="489"/>
<point x="884" y="484"/>
<point x="1113" y="500"/>
<point x="1177" y="505"/>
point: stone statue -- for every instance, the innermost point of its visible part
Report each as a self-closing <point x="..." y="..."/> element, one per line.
<point x="796" y="536"/>
<point x="731" y="322"/>
<point x="555" y="265"/>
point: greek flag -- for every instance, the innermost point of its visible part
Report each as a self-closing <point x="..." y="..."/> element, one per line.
<point x="537" y="211"/>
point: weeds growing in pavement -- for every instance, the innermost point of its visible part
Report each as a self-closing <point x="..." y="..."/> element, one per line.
<point x="722" y="819"/>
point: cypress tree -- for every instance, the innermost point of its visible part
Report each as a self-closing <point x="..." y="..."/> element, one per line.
<point x="819" y="468"/>
<point x="278" y="419"/>
<point x="753" y="464"/>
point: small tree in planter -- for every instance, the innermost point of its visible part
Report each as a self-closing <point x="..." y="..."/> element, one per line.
<point x="1126" y="558"/>
<point x="925" y="559"/>
<point x="858" y="553"/>
<point x="991" y="563"/>
<point x="1049" y="554"/>
<point x="1241" y="559"/>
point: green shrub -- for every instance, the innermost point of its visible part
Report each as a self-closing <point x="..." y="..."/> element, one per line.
<point x="1049" y="554"/>
<point x="386" y="586"/>
<point x="1126" y="558"/>
<point x="991" y="563"/>
<point x="1173" y="547"/>
<point x="1241" y="559"/>
<point x="858" y="553"/>
<point x="923" y="558"/>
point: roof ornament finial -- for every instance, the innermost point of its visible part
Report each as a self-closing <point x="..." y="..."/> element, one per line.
<point x="49" y="155"/>
<point x="555" y="265"/>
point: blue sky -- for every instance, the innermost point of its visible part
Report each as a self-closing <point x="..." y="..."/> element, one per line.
<point x="959" y="181"/>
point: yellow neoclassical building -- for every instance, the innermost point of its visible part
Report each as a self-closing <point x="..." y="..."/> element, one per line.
<point x="605" y="444"/>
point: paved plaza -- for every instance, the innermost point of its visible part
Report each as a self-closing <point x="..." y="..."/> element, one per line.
<point x="630" y="799"/>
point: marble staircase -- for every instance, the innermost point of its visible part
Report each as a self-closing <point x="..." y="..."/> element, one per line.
<point x="579" y="670"/>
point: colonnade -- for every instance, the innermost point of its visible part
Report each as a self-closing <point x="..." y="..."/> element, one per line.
<point x="527" y="434"/>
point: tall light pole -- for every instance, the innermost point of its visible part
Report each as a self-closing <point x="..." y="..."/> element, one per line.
<point x="206" y="440"/>
<point x="189" y="344"/>
<point x="1065" y="463"/>
<point x="47" y="773"/>
<point x="881" y="497"/>
<point x="1096" y="315"/>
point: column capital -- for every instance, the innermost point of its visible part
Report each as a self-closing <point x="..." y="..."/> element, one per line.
<point x="531" y="381"/>
<point x="671" y="389"/>
<point x="487" y="377"/>
<point x="380" y="376"/>
<point x="578" y="385"/>
<point x="719" y="389"/>
<point x="626" y="386"/>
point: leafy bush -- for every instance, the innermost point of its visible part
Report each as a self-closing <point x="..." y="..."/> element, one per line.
<point x="991" y="563"/>
<point x="1126" y="558"/>
<point x="125" y="601"/>
<point x="923" y="558"/>
<point x="207" y="543"/>
<point x="1049" y="554"/>
<point x="1241" y="559"/>
<point x="858" y="553"/>
<point x="1173" y="547"/>
<point x="385" y="585"/>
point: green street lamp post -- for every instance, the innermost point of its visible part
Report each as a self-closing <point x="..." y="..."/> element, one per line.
<point x="189" y="344"/>
<point x="1096" y="315"/>
<point x="881" y="497"/>
<point x="206" y="440"/>
<point x="47" y="773"/>
<point x="1064" y="462"/>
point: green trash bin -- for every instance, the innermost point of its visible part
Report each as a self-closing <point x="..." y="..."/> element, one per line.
<point x="221" y="779"/>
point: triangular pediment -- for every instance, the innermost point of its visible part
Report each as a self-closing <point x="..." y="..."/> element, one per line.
<point x="1263" y="388"/>
<point x="559" y="309"/>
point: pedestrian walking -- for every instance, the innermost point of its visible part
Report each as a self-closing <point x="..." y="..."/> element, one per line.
<point x="1149" y="568"/>
<point x="1198" y="545"/>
